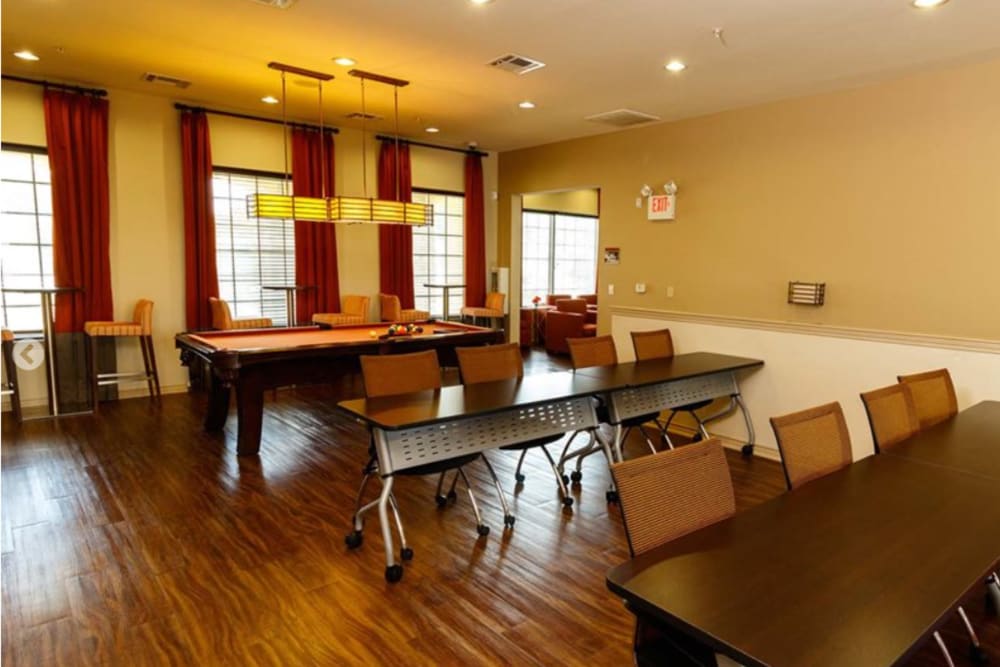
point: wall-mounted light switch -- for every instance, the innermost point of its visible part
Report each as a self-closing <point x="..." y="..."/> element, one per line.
<point x="640" y="288"/>
<point x="611" y="290"/>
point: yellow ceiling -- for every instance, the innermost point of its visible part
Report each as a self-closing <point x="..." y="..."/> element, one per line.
<point x="600" y="54"/>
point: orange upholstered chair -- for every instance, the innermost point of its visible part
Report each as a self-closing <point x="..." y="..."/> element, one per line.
<point x="662" y="498"/>
<point x="222" y="317"/>
<point x="490" y="363"/>
<point x="141" y="326"/>
<point x="353" y="310"/>
<point x="9" y="387"/>
<point x="933" y="396"/>
<point x="392" y="311"/>
<point x="493" y="310"/>
<point x="568" y="320"/>
<point x="812" y="443"/>
<point x="892" y="415"/>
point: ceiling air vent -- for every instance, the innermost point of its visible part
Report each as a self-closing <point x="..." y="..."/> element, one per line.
<point x="622" y="117"/>
<point x="165" y="80"/>
<point x="516" y="64"/>
<point x="357" y="115"/>
<point x="280" y="4"/>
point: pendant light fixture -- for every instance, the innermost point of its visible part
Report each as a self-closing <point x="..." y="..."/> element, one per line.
<point x="334" y="209"/>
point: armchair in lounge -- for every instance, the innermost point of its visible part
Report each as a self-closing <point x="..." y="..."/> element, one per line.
<point x="568" y="320"/>
<point x="353" y="310"/>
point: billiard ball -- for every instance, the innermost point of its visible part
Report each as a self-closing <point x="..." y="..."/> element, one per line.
<point x="373" y="333"/>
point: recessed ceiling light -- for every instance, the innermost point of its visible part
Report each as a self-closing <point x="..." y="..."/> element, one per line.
<point x="25" y="55"/>
<point x="480" y="2"/>
<point x="344" y="61"/>
<point x="675" y="66"/>
<point x="269" y="99"/>
<point x="928" y="4"/>
<point x="432" y="130"/>
<point x="527" y="104"/>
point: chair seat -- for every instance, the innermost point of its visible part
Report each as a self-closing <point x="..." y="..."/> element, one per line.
<point x="440" y="466"/>
<point x="112" y="328"/>
<point x="412" y="315"/>
<point x="537" y="442"/>
<point x="7" y="335"/>
<point x="697" y="405"/>
<point x="336" y="319"/>
<point x="478" y="311"/>
<point x="589" y="329"/>
<point x="253" y="323"/>
<point x="604" y="417"/>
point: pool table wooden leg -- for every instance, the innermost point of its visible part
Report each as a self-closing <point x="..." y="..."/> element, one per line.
<point x="249" y="415"/>
<point x="218" y="405"/>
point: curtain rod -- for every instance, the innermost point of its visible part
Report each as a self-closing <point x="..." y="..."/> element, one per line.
<point x="98" y="92"/>
<point x="262" y="119"/>
<point x="467" y="151"/>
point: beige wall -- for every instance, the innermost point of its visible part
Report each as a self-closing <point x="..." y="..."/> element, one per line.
<point x="146" y="201"/>
<point x="578" y="202"/>
<point x="889" y="193"/>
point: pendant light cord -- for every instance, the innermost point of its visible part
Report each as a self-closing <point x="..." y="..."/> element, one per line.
<point x="395" y="102"/>
<point x="284" y="131"/>
<point x="364" y="153"/>
<point x="322" y="146"/>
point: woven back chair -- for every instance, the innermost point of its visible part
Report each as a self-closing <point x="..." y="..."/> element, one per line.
<point x="667" y="495"/>
<point x="892" y="415"/>
<point x="388" y="374"/>
<point x="812" y="443"/>
<point x="933" y="396"/>
<point x="596" y="351"/>
<point x="653" y="344"/>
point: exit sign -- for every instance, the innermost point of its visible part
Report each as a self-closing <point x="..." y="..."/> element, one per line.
<point x="661" y="207"/>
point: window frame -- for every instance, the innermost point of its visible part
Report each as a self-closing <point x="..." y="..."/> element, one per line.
<point x="456" y="296"/>
<point x="552" y="245"/>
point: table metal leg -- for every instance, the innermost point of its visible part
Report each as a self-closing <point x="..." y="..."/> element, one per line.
<point x="393" y="570"/>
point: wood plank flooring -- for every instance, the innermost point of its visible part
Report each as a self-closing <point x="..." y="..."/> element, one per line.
<point x="135" y="538"/>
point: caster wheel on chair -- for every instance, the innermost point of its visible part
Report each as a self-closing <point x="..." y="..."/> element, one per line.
<point x="567" y="501"/>
<point x="406" y="553"/>
<point x="565" y="479"/>
<point x="993" y="597"/>
<point x="978" y="656"/>
<point x="576" y="476"/>
<point x="441" y="500"/>
<point x="612" y="496"/>
<point x="452" y="495"/>
<point x="393" y="573"/>
<point x="746" y="450"/>
<point x="508" y="521"/>
<point x="519" y="478"/>
<point x="354" y="539"/>
<point x="483" y="530"/>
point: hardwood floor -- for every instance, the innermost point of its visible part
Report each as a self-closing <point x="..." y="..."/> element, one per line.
<point x="135" y="538"/>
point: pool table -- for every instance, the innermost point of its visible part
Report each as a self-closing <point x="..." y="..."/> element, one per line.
<point x="255" y="360"/>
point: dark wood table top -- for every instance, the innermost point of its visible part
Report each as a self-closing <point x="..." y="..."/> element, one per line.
<point x="851" y="569"/>
<point x="463" y="401"/>
<point x="969" y="442"/>
<point x="679" y="367"/>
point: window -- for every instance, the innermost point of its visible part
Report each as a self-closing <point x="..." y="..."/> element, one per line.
<point x="251" y="252"/>
<point x="438" y="252"/>
<point x="558" y="255"/>
<point x="25" y="232"/>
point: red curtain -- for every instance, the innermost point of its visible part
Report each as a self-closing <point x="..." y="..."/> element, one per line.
<point x="201" y="278"/>
<point x="315" y="242"/>
<point x="475" y="232"/>
<point x="395" y="242"/>
<point x="76" y="130"/>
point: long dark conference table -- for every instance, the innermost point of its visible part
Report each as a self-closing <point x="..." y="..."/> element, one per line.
<point x="423" y="427"/>
<point x="855" y="568"/>
<point x="253" y="361"/>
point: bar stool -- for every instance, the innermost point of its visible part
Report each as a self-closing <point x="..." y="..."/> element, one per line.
<point x="142" y="328"/>
<point x="9" y="387"/>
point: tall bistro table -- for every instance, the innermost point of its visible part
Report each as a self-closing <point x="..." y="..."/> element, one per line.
<point x="289" y="291"/>
<point x="446" y="289"/>
<point x="255" y="360"/>
<point x="423" y="427"/>
<point x="46" y="294"/>
<point x="855" y="568"/>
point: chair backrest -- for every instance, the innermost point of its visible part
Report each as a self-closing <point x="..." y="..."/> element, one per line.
<point x="388" y="374"/>
<point x="143" y="316"/>
<point x="591" y="299"/>
<point x="551" y="299"/>
<point x="933" y="396"/>
<point x="812" y="443"/>
<point x="352" y="304"/>
<point x="487" y="363"/>
<point x="390" y="308"/>
<point x="494" y="300"/>
<point x="571" y="306"/>
<point x="596" y="351"/>
<point x="221" y="316"/>
<point x="892" y="414"/>
<point x="653" y="344"/>
<point x="669" y="494"/>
